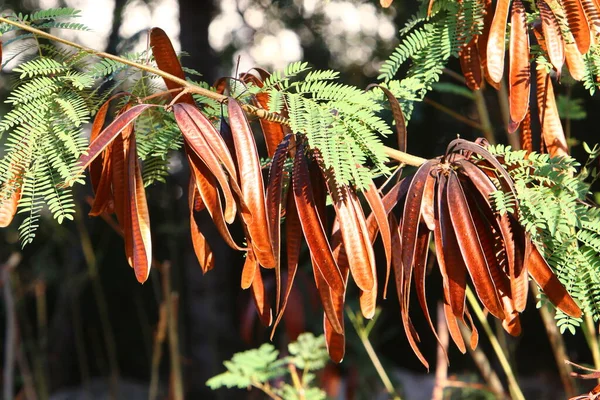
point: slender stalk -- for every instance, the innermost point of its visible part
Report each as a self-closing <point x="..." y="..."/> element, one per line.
<point x="10" y="337"/>
<point x="159" y="338"/>
<point x="363" y="334"/>
<point x="190" y="87"/>
<point x="457" y="116"/>
<point x="558" y="346"/>
<point x="101" y="303"/>
<point x="441" y="369"/>
<point x="172" y="300"/>
<point x="516" y="392"/>
<point x="484" y="366"/>
<point x="267" y="390"/>
<point x="484" y="116"/>
<point x="296" y="381"/>
<point x="592" y="340"/>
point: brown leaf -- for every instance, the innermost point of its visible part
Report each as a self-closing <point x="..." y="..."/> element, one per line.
<point x="196" y="141"/>
<point x="140" y="219"/>
<point x="553" y="135"/>
<point x="470" y="246"/>
<point x="203" y="252"/>
<point x="207" y="188"/>
<point x="97" y="165"/>
<point x="552" y="36"/>
<point x="541" y="273"/>
<point x="259" y="293"/>
<point x="274" y="200"/>
<point x="10" y="194"/>
<point x="249" y="269"/>
<point x="397" y="114"/>
<point x="379" y="213"/>
<point x="520" y="75"/>
<point x="312" y="225"/>
<point x="578" y="24"/>
<point x="470" y="64"/>
<point x="104" y="199"/>
<point x="166" y="60"/>
<point x="105" y="137"/>
<point x="330" y="307"/>
<point x="251" y="182"/>
<point x="482" y="42"/>
<point x="526" y="134"/>
<point x="496" y="39"/>
<point x="592" y="13"/>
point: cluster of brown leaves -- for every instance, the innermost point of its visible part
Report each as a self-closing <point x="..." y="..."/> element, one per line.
<point x="565" y="31"/>
<point x="449" y="196"/>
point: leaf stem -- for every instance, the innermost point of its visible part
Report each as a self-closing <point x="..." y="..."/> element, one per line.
<point x="397" y="155"/>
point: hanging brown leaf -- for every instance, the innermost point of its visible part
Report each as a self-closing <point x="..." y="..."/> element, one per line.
<point x="470" y="64"/>
<point x="166" y="60"/>
<point x="552" y="36"/>
<point x="312" y="225"/>
<point x="251" y="182"/>
<point x="203" y="252"/>
<point x="520" y="75"/>
<point x="496" y="39"/>
<point x="578" y="25"/>
<point x="553" y="135"/>
<point x="10" y="194"/>
<point x="259" y="293"/>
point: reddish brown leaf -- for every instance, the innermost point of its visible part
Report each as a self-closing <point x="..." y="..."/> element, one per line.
<point x="97" y="165"/>
<point x="274" y="200"/>
<point x="575" y="61"/>
<point x="453" y="328"/>
<point x="103" y="200"/>
<point x="10" y="194"/>
<point x="312" y="225"/>
<point x="553" y="135"/>
<point x="379" y="213"/>
<point x="428" y="203"/>
<point x="166" y="60"/>
<point x="397" y="114"/>
<point x="411" y="216"/>
<point x="249" y="269"/>
<point x="105" y="137"/>
<point x="520" y="75"/>
<point x="196" y="141"/>
<point x="592" y="13"/>
<point x="541" y="273"/>
<point x="212" y="137"/>
<point x="496" y="39"/>
<point x="330" y="306"/>
<point x="470" y="247"/>
<point x="482" y="42"/>
<point x="140" y="219"/>
<point x="526" y="134"/>
<point x="207" y="188"/>
<point x="577" y="24"/>
<point x="251" y="182"/>
<point x="552" y="36"/>
<point x="335" y="342"/>
<point x="452" y="265"/>
<point x="470" y="64"/>
<point x="259" y="293"/>
<point x="272" y="131"/>
<point x="293" y="231"/>
<point x="201" y="248"/>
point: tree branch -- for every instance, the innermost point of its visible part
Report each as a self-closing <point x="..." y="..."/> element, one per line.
<point x="394" y="154"/>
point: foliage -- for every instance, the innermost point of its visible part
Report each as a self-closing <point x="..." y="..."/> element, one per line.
<point x="261" y="367"/>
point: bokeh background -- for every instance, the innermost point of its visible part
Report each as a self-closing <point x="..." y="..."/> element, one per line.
<point x="87" y="329"/>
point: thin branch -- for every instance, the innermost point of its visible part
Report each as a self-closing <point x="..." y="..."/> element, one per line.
<point x="192" y="88"/>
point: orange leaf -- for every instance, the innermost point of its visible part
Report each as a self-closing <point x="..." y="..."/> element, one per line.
<point x="552" y="36"/>
<point x="104" y="199"/>
<point x="251" y="182"/>
<point x="553" y="135"/>
<point x="541" y="273"/>
<point x="249" y="269"/>
<point x="592" y="13"/>
<point x="140" y="219"/>
<point x="166" y="60"/>
<point x="482" y="42"/>
<point x="385" y="3"/>
<point x="470" y="64"/>
<point x="496" y="39"/>
<point x="203" y="252"/>
<point x="259" y="293"/>
<point x="330" y="307"/>
<point x="10" y="194"/>
<point x="379" y="213"/>
<point x="520" y="75"/>
<point x="196" y="141"/>
<point x="578" y="24"/>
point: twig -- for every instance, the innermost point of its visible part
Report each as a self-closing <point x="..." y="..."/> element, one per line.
<point x="192" y="88"/>
<point x="484" y="366"/>
<point x="109" y="339"/>
<point x="592" y="340"/>
<point x="10" y="338"/>
<point x="455" y="115"/>
<point x="515" y="390"/>
<point x="558" y="346"/>
<point x="484" y="116"/>
<point x="296" y="381"/>
<point x="441" y="369"/>
<point x="363" y="334"/>
<point x="159" y="338"/>
<point x="172" y="300"/>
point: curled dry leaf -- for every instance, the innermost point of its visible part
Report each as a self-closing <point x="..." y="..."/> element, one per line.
<point x="520" y="75"/>
<point x="553" y="135"/>
<point x="495" y="42"/>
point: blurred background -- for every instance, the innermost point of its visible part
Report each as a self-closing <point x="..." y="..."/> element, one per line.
<point x="86" y="329"/>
